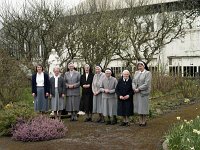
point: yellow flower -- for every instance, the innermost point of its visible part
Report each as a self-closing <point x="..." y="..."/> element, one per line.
<point x="196" y="131"/>
<point x="178" y="118"/>
<point x="197" y="117"/>
<point x="187" y="100"/>
<point x="181" y="127"/>
<point x="8" y="106"/>
<point x="192" y="148"/>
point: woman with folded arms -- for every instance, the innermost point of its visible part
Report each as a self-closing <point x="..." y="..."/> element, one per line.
<point x="87" y="95"/>
<point x="72" y="85"/>
<point x="141" y="85"/>
<point x="125" y="97"/>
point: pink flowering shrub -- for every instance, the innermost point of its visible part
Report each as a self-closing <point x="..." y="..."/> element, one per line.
<point x="40" y="128"/>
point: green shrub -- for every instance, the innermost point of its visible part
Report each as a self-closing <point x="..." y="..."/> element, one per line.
<point x="10" y="114"/>
<point x="185" y="135"/>
<point x="189" y="88"/>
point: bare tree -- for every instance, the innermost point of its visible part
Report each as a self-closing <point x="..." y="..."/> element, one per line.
<point x="148" y="31"/>
<point x="100" y="37"/>
<point x="31" y="33"/>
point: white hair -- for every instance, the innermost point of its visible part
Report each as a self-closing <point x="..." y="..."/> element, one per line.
<point x="126" y="71"/>
<point x="86" y="65"/>
<point x="56" y="67"/>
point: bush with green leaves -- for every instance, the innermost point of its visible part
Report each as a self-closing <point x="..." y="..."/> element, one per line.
<point x="10" y="113"/>
<point x="185" y="135"/>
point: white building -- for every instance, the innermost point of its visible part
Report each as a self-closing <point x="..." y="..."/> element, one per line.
<point x="182" y="56"/>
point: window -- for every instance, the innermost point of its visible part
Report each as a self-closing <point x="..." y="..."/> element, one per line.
<point x="189" y="71"/>
<point x="170" y="61"/>
<point x="175" y="71"/>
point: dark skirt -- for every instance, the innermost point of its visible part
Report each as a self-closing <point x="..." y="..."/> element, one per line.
<point x="86" y="104"/>
<point x="125" y="107"/>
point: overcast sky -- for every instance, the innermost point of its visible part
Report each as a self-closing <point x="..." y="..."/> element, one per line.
<point x="18" y="3"/>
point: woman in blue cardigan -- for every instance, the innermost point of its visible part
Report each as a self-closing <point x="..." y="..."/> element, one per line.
<point x="40" y="89"/>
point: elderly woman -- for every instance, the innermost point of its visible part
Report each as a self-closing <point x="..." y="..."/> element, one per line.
<point x="57" y="93"/>
<point x="97" y="94"/>
<point x="72" y="84"/>
<point x="142" y="86"/>
<point x="40" y="89"/>
<point x="108" y="86"/>
<point x="87" y="95"/>
<point x="125" y="97"/>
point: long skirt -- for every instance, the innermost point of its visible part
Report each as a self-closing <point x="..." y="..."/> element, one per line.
<point x="141" y="104"/>
<point x="125" y="107"/>
<point x="98" y="104"/>
<point x="57" y="102"/>
<point x="109" y="106"/>
<point x="40" y="102"/>
<point x="72" y="103"/>
<point x="86" y="103"/>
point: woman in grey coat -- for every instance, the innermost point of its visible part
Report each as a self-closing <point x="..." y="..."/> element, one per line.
<point x="72" y="84"/>
<point x="97" y="94"/>
<point x="57" y="93"/>
<point x="141" y="85"/>
<point x="109" y="97"/>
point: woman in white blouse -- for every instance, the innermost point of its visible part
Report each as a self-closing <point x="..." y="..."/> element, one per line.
<point x="40" y="89"/>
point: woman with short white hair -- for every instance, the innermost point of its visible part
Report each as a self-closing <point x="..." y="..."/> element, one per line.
<point x="125" y="97"/>
<point x="57" y="92"/>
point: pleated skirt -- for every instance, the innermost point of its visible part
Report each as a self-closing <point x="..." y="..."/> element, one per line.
<point x="109" y="106"/>
<point x="98" y="104"/>
<point x="57" y="102"/>
<point x="40" y="102"/>
<point x="72" y="103"/>
<point x="141" y="104"/>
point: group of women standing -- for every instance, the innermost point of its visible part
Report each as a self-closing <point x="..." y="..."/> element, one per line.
<point x="100" y="93"/>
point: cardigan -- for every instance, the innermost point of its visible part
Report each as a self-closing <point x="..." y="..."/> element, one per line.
<point x="61" y="86"/>
<point x="46" y="84"/>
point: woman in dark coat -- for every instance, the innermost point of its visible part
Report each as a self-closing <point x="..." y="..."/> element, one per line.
<point x="40" y="89"/>
<point x="86" y="104"/>
<point x="125" y="97"/>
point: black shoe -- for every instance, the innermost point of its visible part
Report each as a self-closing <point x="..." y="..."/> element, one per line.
<point x="108" y="122"/>
<point x="143" y="125"/>
<point x="127" y="124"/>
<point x="72" y="119"/>
<point x="98" y="120"/>
<point x="89" y="119"/>
<point x="102" y="121"/>
<point x="123" y="124"/>
<point x="114" y="122"/>
<point x="86" y="120"/>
